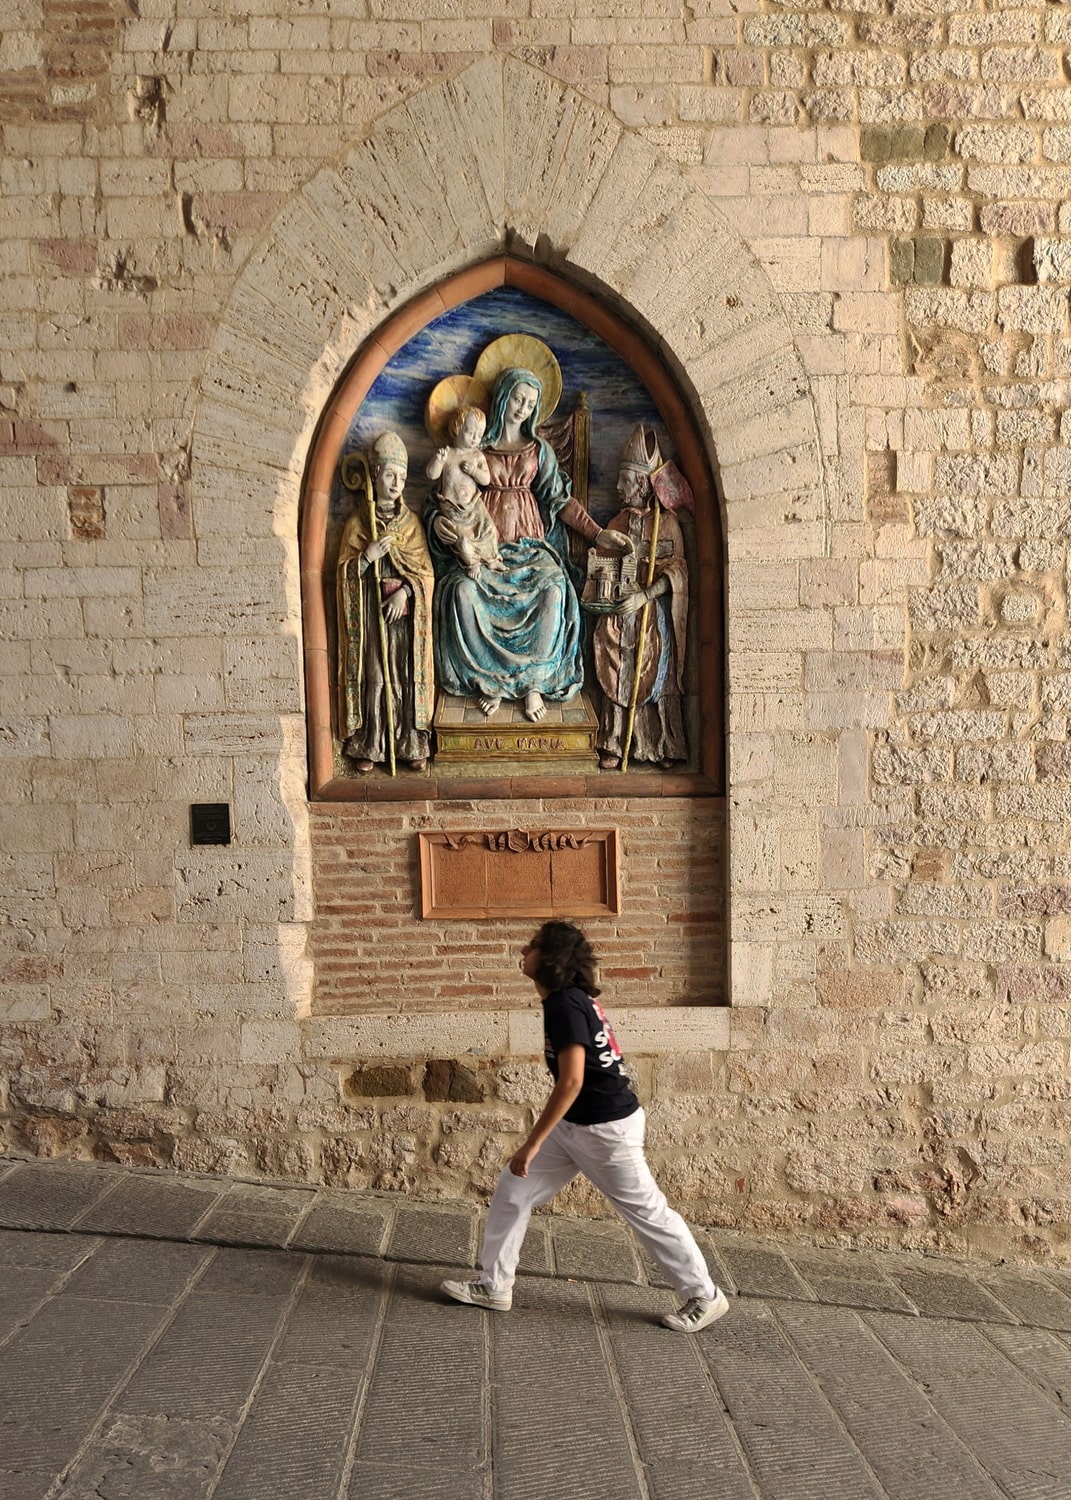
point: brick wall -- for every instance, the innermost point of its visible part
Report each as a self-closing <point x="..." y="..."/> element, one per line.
<point x="847" y="229"/>
<point x="372" y="951"/>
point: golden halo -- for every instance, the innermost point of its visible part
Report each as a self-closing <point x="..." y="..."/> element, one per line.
<point x="448" y="395"/>
<point x="520" y="351"/>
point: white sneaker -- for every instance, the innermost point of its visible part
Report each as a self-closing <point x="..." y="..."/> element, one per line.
<point x="478" y="1294"/>
<point x="697" y="1313"/>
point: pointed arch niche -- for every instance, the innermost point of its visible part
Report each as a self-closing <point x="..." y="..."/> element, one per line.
<point x="330" y="776"/>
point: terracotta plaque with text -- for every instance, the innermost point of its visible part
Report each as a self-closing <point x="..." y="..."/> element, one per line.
<point x="513" y="873"/>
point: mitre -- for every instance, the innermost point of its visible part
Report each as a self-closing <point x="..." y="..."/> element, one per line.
<point x="641" y="451"/>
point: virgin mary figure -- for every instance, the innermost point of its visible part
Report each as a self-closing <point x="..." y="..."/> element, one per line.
<point x="516" y="633"/>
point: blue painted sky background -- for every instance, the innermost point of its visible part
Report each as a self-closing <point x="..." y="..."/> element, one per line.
<point x="451" y="344"/>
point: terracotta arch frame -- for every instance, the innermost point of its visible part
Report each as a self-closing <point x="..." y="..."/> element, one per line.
<point x="507" y="270"/>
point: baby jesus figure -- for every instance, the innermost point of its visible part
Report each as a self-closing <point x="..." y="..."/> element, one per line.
<point x="463" y="521"/>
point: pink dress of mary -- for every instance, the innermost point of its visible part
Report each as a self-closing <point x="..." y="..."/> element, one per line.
<point x="503" y="635"/>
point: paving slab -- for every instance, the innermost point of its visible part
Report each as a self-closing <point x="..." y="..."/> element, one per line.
<point x="434" y="1235"/>
<point x="761" y="1271"/>
<point x="794" y="1444"/>
<point x="29" y="1248"/>
<point x="141" y="1458"/>
<point x="59" y="1372"/>
<point x="255" y="1215"/>
<point x="1060" y="1279"/>
<point x="334" y="1320"/>
<point x="600" y="1252"/>
<point x="551" y="1377"/>
<point x="849" y="1281"/>
<point x="124" y="1270"/>
<point x="157" y="1207"/>
<point x="406" y="1482"/>
<point x="426" y="1394"/>
<point x="684" y="1481"/>
<point x="252" y="1273"/>
<point x="25" y="1484"/>
<point x="950" y="1294"/>
<point x="22" y="1290"/>
<point x="207" y="1361"/>
<point x="343" y="1223"/>
<point x="898" y="1432"/>
<point x="1043" y="1357"/>
<point x="51" y="1195"/>
<point x="293" y="1442"/>
<point x="678" y="1419"/>
<point x="139" y="1368"/>
<point x="1032" y="1299"/>
<point x="1013" y="1429"/>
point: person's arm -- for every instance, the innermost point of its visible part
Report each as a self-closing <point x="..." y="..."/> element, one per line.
<point x="562" y="1097"/>
<point x="477" y="468"/>
<point x="577" y="518"/>
<point x="641" y="596"/>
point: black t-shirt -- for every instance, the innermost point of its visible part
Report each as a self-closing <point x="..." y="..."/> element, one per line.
<point x="570" y="1018"/>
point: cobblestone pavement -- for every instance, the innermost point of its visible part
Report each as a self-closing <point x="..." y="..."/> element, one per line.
<point x="180" y="1338"/>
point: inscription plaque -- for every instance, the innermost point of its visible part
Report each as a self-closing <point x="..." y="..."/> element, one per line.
<point x="515" y="873"/>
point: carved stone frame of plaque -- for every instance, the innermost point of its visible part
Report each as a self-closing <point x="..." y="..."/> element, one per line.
<point x="513" y="873"/>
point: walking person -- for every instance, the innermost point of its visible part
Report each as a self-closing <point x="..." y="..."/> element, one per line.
<point x="592" y="1123"/>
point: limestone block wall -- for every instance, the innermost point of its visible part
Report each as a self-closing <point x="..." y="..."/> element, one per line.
<point x="844" y="229"/>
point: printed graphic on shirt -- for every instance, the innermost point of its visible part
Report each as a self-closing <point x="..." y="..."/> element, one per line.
<point x="605" y="1041"/>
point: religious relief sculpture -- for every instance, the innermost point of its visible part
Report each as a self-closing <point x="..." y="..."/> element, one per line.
<point x="514" y="632"/>
<point x="511" y="624"/>
<point x="384" y="589"/>
<point x="641" y="605"/>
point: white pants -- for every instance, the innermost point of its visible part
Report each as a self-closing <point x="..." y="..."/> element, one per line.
<point x="610" y="1156"/>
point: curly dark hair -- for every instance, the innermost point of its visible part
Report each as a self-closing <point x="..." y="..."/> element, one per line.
<point x="566" y="958"/>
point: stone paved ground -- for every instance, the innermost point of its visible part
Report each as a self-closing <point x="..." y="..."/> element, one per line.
<point x="180" y="1338"/>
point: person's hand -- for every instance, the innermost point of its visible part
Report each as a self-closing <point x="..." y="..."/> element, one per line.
<point x="469" y="466"/>
<point x="614" y="541"/>
<point x="375" y="550"/>
<point x="520" y="1160"/>
<point x="632" y="602"/>
<point x="394" y="606"/>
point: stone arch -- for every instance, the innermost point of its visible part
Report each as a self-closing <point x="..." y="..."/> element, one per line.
<point x="531" y="166"/>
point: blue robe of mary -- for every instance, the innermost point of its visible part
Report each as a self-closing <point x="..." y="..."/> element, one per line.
<point x="505" y="634"/>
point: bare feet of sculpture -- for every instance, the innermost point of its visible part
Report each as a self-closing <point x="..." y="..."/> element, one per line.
<point x="489" y="705"/>
<point x="418" y="765"/>
<point x="608" y="762"/>
<point x="364" y="766"/>
<point x="534" y="707"/>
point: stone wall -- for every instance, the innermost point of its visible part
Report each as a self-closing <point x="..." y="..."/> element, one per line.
<point x="844" y="228"/>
